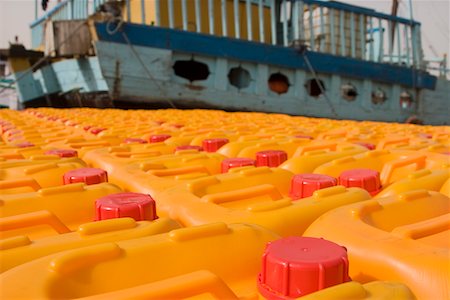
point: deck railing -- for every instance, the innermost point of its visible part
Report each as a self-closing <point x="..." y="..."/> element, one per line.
<point x="329" y="27"/>
<point x="65" y="10"/>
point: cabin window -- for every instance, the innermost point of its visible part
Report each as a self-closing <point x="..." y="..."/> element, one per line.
<point x="349" y="92"/>
<point x="278" y="83"/>
<point x="191" y="70"/>
<point x="378" y="97"/>
<point x="314" y="87"/>
<point x="239" y="77"/>
<point x="406" y="100"/>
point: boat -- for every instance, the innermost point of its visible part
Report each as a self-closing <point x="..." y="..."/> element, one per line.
<point x="315" y="58"/>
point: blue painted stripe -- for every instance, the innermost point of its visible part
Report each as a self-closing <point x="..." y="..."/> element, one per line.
<point x="191" y="42"/>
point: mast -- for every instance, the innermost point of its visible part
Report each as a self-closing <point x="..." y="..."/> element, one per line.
<point x="394" y="10"/>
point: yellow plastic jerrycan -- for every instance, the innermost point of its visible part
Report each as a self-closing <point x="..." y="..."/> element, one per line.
<point x="11" y="152"/>
<point x="422" y="179"/>
<point x="403" y="238"/>
<point x="308" y="158"/>
<point x="112" y="157"/>
<point x="17" y="250"/>
<point x="157" y="174"/>
<point x="46" y="172"/>
<point x="298" y="258"/>
<point x="50" y="210"/>
<point x="255" y="195"/>
<point x="375" y="290"/>
<point x="288" y="145"/>
<point x="445" y="189"/>
<point x="232" y="149"/>
<point x="99" y="269"/>
<point x="392" y="165"/>
<point x="313" y="268"/>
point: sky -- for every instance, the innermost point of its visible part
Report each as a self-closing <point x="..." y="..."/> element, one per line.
<point x="16" y="15"/>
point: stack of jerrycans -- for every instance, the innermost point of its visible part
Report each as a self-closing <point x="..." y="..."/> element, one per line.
<point x="254" y="193"/>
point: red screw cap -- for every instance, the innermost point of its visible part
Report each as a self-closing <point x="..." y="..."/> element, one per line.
<point x="97" y="130"/>
<point x="270" y="158"/>
<point x="134" y="205"/>
<point x="212" y="145"/>
<point x="24" y="145"/>
<point x="362" y="178"/>
<point x="230" y="163"/>
<point x="134" y="141"/>
<point x="62" y="152"/>
<point x="296" y="266"/>
<point x="157" y="138"/>
<point x="369" y="146"/>
<point x="86" y="175"/>
<point x="304" y="185"/>
<point x="189" y="147"/>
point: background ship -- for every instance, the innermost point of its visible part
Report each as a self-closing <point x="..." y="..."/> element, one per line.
<point x="313" y="58"/>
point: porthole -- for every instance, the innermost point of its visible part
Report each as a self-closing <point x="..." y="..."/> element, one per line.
<point x="406" y="100"/>
<point x="349" y="92"/>
<point x="278" y="83"/>
<point x="239" y="77"/>
<point x="378" y="96"/>
<point x="314" y="87"/>
<point x="191" y="70"/>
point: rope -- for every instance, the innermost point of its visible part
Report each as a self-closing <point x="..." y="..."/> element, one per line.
<point x="303" y="50"/>
<point x="127" y="40"/>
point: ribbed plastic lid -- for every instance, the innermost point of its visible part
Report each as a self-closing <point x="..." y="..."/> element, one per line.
<point x="304" y="185"/>
<point x="134" y="141"/>
<point x="369" y="146"/>
<point x="157" y="138"/>
<point x="270" y="158"/>
<point x="236" y="162"/>
<point x="212" y="145"/>
<point x="63" y="152"/>
<point x="189" y="147"/>
<point x="134" y="205"/>
<point x="86" y="175"/>
<point x="362" y="178"/>
<point x="24" y="145"/>
<point x="97" y="130"/>
<point x="296" y="266"/>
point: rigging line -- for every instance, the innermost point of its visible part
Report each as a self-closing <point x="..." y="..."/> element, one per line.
<point x="303" y="51"/>
<point x="44" y="58"/>
<point x="146" y="69"/>
<point x="436" y="25"/>
<point x="439" y="18"/>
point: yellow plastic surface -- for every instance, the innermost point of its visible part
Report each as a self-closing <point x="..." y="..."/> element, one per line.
<point x="46" y="171"/>
<point x="20" y="249"/>
<point x="255" y="195"/>
<point x="404" y="238"/>
<point x="110" y="158"/>
<point x="445" y="189"/>
<point x="392" y="165"/>
<point x="422" y="179"/>
<point x="50" y="210"/>
<point x="154" y="175"/>
<point x="376" y="290"/>
<point x="404" y="241"/>
<point x="307" y="159"/>
<point x="232" y="253"/>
